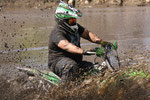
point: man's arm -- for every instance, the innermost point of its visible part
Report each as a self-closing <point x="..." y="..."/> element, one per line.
<point x="66" y="45"/>
<point x="91" y="36"/>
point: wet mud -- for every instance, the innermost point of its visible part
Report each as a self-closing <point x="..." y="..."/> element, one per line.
<point x="24" y="39"/>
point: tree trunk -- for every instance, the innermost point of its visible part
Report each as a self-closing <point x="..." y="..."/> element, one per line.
<point x="121" y="2"/>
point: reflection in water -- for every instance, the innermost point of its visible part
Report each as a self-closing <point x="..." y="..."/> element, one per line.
<point x="30" y="31"/>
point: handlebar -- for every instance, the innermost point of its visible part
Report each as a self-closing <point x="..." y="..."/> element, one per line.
<point x="101" y="51"/>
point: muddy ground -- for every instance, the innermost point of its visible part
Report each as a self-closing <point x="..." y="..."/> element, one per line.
<point x="24" y="39"/>
<point x="129" y="83"/>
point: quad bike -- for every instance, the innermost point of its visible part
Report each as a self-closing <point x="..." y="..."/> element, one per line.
<point x="108" y="53"/>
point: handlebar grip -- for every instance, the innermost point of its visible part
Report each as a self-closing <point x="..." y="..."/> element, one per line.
<point x="91" y="53"/>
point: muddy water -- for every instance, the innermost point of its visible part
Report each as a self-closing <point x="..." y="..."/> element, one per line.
<point x="24" y="33"/>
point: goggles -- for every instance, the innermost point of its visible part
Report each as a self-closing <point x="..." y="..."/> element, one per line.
<point x="72" y="21"/>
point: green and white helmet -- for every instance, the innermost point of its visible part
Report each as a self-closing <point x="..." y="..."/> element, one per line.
<point x="64" y="12"/>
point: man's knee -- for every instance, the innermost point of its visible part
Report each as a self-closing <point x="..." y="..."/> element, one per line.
<point x="66" y="67"/>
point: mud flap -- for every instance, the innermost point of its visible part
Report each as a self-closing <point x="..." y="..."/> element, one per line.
<point x="43" y="74"/>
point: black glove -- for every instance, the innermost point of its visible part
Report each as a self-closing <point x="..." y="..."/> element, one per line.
<point x="88" y="52"/>
<point x="105" y="43"/>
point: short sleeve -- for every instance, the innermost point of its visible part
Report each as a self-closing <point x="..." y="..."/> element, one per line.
<point x="80" y="29"/>
<point x="57" y="36"/>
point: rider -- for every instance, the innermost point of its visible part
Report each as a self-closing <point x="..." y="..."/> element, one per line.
<point x="65" y="53"/>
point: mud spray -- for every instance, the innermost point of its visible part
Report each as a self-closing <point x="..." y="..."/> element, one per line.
<point x="130" y="83"/>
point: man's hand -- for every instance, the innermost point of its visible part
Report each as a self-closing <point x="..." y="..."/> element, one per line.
<point x="105" y="43"/>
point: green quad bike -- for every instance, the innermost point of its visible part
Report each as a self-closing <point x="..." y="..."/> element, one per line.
<point x="108" y="53"/>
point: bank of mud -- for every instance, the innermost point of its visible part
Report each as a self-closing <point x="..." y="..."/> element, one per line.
<point x="48" y="4"/>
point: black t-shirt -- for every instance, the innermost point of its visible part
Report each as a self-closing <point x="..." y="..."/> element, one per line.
<point x="59" y="34"/>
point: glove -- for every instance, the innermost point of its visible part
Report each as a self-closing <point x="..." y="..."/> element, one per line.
<point x="105" y="43"/>
<point x="88" y="52"/>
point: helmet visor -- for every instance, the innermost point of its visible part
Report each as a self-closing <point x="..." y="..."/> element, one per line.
<point x="72" y="21"/>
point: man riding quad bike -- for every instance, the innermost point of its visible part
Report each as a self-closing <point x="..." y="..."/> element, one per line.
<point x="65" y="52"/>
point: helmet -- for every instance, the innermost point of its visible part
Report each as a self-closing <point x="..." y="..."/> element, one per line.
<point x="63" y="13"/>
